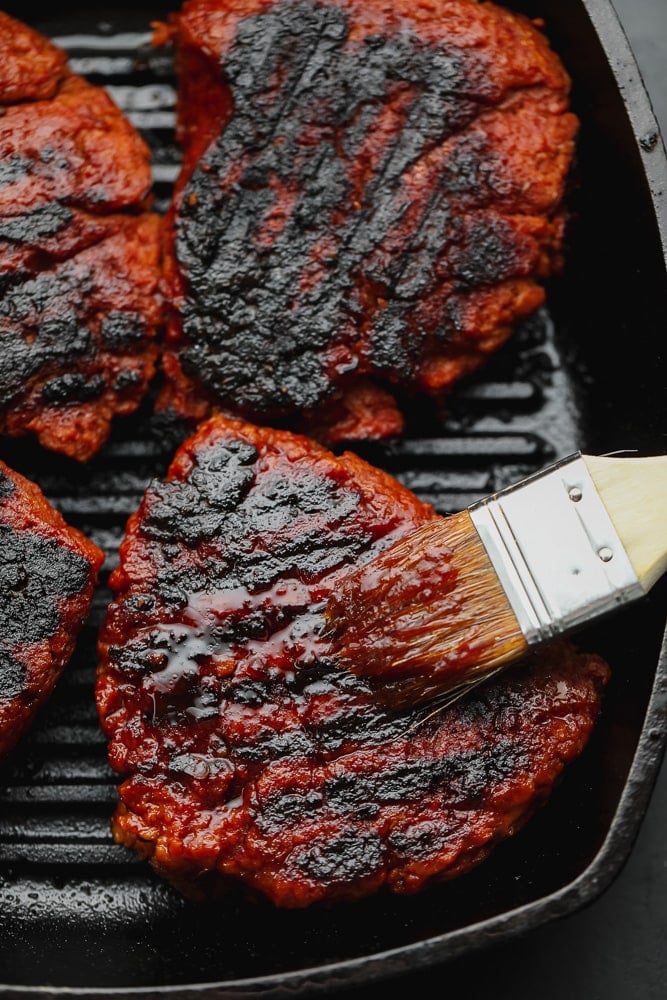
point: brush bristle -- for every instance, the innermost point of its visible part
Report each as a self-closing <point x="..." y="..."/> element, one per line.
<point x="430" y="605"/>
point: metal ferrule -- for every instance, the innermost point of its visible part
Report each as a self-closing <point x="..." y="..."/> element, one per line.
<point x="555" y="550"/>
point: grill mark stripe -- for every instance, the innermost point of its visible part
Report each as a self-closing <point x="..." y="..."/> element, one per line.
<point x="50" y="854"/>
<point x="48" y="829"/>
<point x="122" y="41"/>
<point x="161" y="120"/>
<point x="143" y="97"/>
<point x="59" y="736"/>
<point x="104" y="66"/>
<point x="57" y="794"/>
<point x="64" y="771"/>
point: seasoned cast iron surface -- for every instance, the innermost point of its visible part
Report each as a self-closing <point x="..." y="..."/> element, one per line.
<point x="77" y="910"/>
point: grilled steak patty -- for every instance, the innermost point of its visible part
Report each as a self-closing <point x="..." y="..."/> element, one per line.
<point x="48" y="573"/>
<point x="79" y="252"/>
<point x="248" y="759"/>
<point x="371" y="196"/>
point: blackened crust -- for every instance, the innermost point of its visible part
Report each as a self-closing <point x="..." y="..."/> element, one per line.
<point x="47" y="575"/>
<point x="79" y="251"/>
<point x="365" y="196"/>
<point x="36" y="575"/>
<point x="247" y="757"/>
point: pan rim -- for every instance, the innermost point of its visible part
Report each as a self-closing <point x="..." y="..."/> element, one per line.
<point x="628" y="817"/>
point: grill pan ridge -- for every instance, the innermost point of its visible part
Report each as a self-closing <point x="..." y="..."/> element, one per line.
<point x="80" y="915"/>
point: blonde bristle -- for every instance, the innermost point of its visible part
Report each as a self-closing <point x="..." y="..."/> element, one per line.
<point x="454" y="622"/>
<point x="431" y="611"/>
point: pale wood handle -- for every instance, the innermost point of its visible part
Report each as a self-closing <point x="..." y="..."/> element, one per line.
<point x="634" y="491"/>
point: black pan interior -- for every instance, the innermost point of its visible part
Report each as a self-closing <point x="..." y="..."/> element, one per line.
<point x="589" y="373"/>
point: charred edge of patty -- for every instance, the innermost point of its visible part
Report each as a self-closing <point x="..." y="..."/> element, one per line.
<point x="288" y="296"/>
<point x="79" y="293"/>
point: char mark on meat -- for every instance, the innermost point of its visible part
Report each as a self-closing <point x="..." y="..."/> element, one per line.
<point x="79" y="251"/>
<point x="247" y="757"/>
<point x="48" y="572"/>
<point x="366" y="213"/>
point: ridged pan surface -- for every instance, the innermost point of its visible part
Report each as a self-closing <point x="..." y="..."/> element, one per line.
<point x="80" y="914"/>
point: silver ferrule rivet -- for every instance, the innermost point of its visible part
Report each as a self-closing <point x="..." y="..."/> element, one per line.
<point x="575" y="494"/>
<point x="605" y="554"/>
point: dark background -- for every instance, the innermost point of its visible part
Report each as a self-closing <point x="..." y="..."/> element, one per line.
<point x="616" y="948"/>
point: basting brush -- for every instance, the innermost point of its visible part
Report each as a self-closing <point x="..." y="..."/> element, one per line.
<point x="465" y="595"/>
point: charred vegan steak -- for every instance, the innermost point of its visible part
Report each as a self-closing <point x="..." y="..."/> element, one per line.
<point x="79" y="252"/>
<point x="248" y="759"/>
<point x="371" y="197"/>
<point x="48" y="572"/>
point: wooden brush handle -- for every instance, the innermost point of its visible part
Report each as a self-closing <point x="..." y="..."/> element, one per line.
<point x="634" y="492"/>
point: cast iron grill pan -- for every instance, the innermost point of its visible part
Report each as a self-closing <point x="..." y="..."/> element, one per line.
<point x="78" y="912"/>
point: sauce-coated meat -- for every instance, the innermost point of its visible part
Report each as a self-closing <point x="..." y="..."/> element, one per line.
<point x="249" y="759"/>
<point x="48" y="572"/>
<point x="79" y="252"/>
<point x="371" y="197"/>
